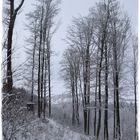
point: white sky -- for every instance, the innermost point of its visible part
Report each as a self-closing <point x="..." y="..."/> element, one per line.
<point x="69" y="9"/>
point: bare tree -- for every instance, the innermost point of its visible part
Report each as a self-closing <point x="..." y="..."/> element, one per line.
<point x="41" y="34"/>
<point x="71" y="69"/>
<point x="11" y="23"/>
<point x="103" y="23"/>
<point x="106" y="30"/>
<point x="120" y="32"/>
<point x="80" y="37"/>
<point x="134" y="66"/>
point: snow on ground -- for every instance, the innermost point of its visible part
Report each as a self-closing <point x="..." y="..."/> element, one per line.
<point x="40" y="129"/>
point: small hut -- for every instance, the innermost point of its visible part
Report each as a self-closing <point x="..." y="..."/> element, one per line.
<point x="30" y="106"/>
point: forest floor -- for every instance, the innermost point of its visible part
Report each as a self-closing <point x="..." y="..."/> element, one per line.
<point x="20" y="124"/>
<point x="47" y="129"/>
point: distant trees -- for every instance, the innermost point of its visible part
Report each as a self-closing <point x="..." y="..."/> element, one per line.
<point x="100" y="40"/>
<point x="71" y="69"/>
<point x="41" y="31"/>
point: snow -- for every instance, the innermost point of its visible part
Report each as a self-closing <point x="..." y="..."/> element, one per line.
<point x="48" y="129"/>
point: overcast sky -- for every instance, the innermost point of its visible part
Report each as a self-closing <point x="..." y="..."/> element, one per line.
<point x="69" y="9"/>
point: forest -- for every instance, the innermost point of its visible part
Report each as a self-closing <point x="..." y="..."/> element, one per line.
<point x="98" y="68"/>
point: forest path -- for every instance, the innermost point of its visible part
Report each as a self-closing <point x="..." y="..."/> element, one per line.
<point x="40" y="129"/>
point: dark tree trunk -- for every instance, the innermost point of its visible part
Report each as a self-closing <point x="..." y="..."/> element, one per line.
<point x="73" y="98"/>
<point x="13" y="14"/>
<point x="114" y="127"/>
<point x="135" y="49"/>
<point x="85" y="103"/>
<point x="116" y="88"/>
<point x="9" y="58"/>
<point x="106" y="96"/>
<point x="87" y="92"/>
<point x="99" y="93"/>
<point x="45" y="79"/>
<point x="117" y="110"/>
<point x="49" y="80"/>
<point x="95" y="105"/>
<point x="42" y="72"/>
<point x="32" y="92"/>
<point x="39" y="62"/>
<point x="77" y="102"/>
<point x="88" y="98"/>
<point x="135" y="92"/>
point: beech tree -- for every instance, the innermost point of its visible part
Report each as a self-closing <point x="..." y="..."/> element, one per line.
<point x="134" y="71"/>
<point x="12" y="15"/>
<point x="120" y="33"/>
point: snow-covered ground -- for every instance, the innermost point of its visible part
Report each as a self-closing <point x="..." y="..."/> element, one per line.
<point x="48" y="129"/>
<point x="21" y="124"/>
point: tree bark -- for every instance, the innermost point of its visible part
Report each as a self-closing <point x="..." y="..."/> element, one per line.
<point x="45" y="79"/>
<point x="87" y="92"/>
<point x="39" y="62"/>
<point x="13" y="14"/>
<point x="95" y="105"/>
<point x="106" y="97"/>
<point x="49" y="77"/>
<point x="33" y="67"/>
<point x="116" y="88"/>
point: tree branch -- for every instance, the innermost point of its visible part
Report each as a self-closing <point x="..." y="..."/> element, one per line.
<point x="18" y="8"/>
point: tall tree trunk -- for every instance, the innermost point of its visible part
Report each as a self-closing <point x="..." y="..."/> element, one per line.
<point x="95" y="104"/>
<point x="85" y="101"/>
<point x="99" y="92"/>
<point x="135" y="92"/>
<point x="114" y="125"/>
<point x="39" y="62"/>
<point x="9" y="47"/>
<point x="77" y="102"/>
<point x="73" y="97"/>
<point x="32" y="90"/>
<point x="45" y="81"/>
<point x="135" y="51"/>
<point x="88" y="88"/>
<point x="13" y="14"/>
<point x="42" y="71"/>
<point x="49" y="78"/>
<point x="87" y="92"/>
<point x="118" y="131"/>
<point x="9" y="58"/>
<point x="116" y="88"/>
<point x="106" y="96"/>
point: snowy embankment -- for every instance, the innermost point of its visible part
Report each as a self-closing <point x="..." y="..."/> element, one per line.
<point x="48" y="130"/>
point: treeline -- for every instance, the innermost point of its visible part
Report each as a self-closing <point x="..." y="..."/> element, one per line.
<point x="94" y="63"/>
